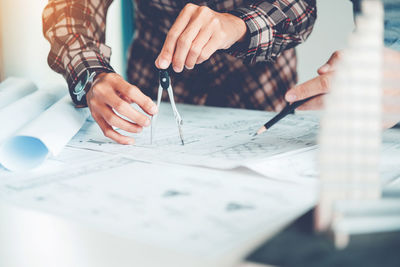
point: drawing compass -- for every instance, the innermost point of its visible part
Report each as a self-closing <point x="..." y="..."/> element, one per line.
<point x="165" y="84"/>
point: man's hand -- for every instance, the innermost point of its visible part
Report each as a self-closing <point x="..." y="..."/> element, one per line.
<point x="318" y="85"/>
<point x="109" y="94"/>
<point x="196" y="34"/>
<point x="391" y="88"/>
<point x="321" y="84"/>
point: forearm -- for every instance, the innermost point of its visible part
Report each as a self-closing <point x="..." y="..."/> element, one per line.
<point x="76" y="32"/>
<point x="274" y="26"/>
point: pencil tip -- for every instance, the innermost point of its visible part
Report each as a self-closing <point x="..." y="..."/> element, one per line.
<point x="260" y="131"/>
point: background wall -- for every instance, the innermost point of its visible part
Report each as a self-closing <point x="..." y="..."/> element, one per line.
<point x="334" y="24"/>
<point x="25" y="50"/>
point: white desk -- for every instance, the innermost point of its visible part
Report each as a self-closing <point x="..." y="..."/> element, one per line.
<point x="49" y="221"/>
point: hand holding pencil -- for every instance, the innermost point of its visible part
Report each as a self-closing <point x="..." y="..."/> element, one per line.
<point x="287" y="110"/>
<point x="308" y="94"/>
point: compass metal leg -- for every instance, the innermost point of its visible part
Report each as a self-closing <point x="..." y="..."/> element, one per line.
<point x="154" y="117"/>
<point x="178" y="117"/>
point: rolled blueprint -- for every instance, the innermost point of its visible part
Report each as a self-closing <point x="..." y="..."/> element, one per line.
<point x="47" y="135"/>
<point x="13" y="89"/>
<point x="16" y="115"/>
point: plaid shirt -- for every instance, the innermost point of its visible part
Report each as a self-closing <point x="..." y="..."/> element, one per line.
<point x="254" y="74"/>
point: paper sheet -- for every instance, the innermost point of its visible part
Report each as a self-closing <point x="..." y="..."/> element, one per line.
<point x="214" y="137"/>
<point x="298" y="167"/>
<point x="19" y="113"/>
<point x="13" y="89"/>
<point x="67" y="158"/>
<point x="46" y="135"/>
<point x="190" y="210"/>
<point x="301" y="166"/>
<point x="390" y="156"/>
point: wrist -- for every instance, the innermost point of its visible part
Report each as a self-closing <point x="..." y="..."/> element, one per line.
<point x="86" y="80"/>
<point x="239" y="26"/>
<point x="97" y="77"/>
<point x="242" y="29"/>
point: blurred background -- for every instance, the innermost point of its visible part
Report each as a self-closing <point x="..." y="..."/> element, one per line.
<point x="23" y="49"/>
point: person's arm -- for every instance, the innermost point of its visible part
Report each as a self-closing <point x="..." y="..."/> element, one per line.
<point x="258" y="31"/>
<point x="273" y="27"/>
<point x="76" y="32"/>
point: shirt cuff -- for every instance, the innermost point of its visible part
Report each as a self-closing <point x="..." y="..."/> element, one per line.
<point x="85" y="61"/>
<point x="259" y="35"/>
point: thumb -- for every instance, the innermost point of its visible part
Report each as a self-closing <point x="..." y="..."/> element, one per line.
<point x="331" y="64"/>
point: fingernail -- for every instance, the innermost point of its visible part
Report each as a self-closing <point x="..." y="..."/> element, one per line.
<point x="291" y="97"/>
<point x="176" y="69"/>
<point x="324" y="68"/>
<point x="188" y="68"/>
<point x="131" y="142"/>
<point x="154" y="109"/>
<point x="163" y="63"/>
<point x="147" y="122"/>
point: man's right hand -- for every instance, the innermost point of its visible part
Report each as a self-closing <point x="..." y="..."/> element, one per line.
<point x="111" y="94"/>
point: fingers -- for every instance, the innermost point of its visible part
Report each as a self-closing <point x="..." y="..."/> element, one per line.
<point x="196" y="34"/>
<point x="197" y="47"/>
<point x="114" y="120"/>
<point x="208" y="50"/>
<point x="110" y="96"/>
<point x="109" y="132"/>
<point x="184" y="44"/>
<point x="313" y="104"/>
<point x="316" y="86"/>
<point x="134" y="95"/>
<point x="123" y="108"/>
<point x="201" y="19"/>
<point x="331" y="64"/>
<point x="165" y="58"/>
<point x="106" y="118"/>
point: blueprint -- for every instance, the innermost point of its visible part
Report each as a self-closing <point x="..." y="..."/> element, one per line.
<point x="214" y="137"/>
<point x="301" y="166"/>
<point x="192" y="210"/>
<point x="135" y="192"/>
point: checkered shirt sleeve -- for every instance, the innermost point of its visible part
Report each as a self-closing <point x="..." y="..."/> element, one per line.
<point x="76" y="32"/>
<point x="273" y="26"/>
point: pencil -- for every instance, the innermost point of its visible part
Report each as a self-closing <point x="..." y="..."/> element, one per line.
<point x="287" y="110"/>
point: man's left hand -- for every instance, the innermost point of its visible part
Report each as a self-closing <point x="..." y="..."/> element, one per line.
<point x="316" y="86"/>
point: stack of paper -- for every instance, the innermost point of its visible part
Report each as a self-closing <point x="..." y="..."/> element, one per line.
<point x="212" y="217"/>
